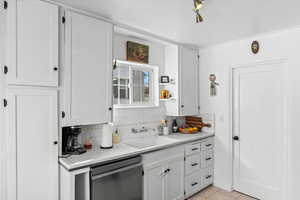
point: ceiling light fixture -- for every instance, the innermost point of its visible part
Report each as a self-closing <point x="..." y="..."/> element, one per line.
<point x="197" y="6"/>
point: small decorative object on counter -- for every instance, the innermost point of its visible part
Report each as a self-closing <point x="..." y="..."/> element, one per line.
<point x="164" y="124"/>
<point x="88" y="144"/>
<point x="116" y="137"/>
<point x="174" y="126"/>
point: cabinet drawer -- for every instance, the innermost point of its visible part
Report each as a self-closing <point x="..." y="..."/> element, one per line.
<point x="207" y="158"/>
<point x="193" y="183"/>
<point x="192" y="163"/>
<point x="163" y="155"/>
<point x="192" y="148"/>
<point x="207" y="144"/>
<point x="207" y="176"/>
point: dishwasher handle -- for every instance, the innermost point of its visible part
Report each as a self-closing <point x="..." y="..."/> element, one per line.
<point x="95" y="177"/>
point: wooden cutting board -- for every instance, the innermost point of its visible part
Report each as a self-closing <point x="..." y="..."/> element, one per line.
<point x="196" y="122"/>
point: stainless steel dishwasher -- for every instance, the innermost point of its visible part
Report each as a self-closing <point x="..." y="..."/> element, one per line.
<point x="117" y="180"/>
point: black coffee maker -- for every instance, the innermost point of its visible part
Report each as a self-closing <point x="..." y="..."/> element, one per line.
<point x="70" y="144"/>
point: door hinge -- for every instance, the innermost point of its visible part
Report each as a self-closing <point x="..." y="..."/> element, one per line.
<point x="4" y="102"/>
<point x="5" y="5"/>
<point x="184" y="192"/>
<point x="184" y="158"/>
<point x="143" y="173"/>
<point x="63" y="19"/>
<point x="5" y="69"/>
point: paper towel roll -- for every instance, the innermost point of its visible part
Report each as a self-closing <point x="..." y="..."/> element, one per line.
<point x="106" y="140"/>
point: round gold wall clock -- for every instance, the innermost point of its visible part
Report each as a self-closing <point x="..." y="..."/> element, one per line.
<point x="255" y="47"/>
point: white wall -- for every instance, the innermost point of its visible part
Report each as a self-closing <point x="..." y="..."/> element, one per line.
<point x="156" y="57"/>
<point x="218" y="59"/>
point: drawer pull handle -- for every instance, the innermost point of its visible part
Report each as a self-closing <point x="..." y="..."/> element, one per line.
<point x="208" y="159"/>
<point x="194" y="164"/>
<point x="208" y="145"/>
<point x="209" y="176"/>
<point x="193" y="184"/>
<point x="194" y="149"/>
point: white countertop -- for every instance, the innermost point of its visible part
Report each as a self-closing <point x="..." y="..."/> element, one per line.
<point x="97" y="155"/>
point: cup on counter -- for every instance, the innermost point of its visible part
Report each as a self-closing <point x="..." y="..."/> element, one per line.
<point x="166" y="130"/>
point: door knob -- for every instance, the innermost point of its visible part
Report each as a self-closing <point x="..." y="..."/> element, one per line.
<point x="236" y="138"/>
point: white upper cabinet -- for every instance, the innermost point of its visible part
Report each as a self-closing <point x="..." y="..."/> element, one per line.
<point x="32" y="135"/>
<point x="182" y="66"/>
<point x="87" y="75"/>
<point x="32" y="43"/>
<point x="188" y="60"/>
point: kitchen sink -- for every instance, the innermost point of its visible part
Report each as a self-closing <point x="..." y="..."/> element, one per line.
<point x="145" y="142"/>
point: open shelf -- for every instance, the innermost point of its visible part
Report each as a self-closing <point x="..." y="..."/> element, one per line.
<point x="169" y="99"/>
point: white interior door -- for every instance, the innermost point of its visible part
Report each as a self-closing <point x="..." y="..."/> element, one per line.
<point x="259" y="123"/>
<point x="32" y="43"/>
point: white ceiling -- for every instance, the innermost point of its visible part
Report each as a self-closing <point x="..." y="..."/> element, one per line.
<point x="224" y="20"/>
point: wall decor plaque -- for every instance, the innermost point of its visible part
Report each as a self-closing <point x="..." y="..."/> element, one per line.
<point x="137" y="52"/>
<point x="255" y="47"/>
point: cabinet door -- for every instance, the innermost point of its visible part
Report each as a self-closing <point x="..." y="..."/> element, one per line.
<point x="175" y="179"/>
<point x="88" y="71"/>
<point x="32" y="132"/>
<point x="188" y="81"/>
<point x="32" y="43"/>
<point x="154" y="182"/>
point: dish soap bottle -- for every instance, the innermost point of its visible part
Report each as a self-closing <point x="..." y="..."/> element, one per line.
<point x="116" y="137"/>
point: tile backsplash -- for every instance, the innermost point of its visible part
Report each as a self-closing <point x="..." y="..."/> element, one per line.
<point x="94" y="132"/>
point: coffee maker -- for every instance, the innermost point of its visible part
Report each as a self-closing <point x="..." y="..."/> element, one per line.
<point x="70" y="144"/>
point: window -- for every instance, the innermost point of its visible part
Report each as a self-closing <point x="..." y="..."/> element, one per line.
<point x="135" y="85"/>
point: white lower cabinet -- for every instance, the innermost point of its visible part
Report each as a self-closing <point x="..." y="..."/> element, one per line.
<point x="175" y="179"/>
<point x="154" y="182"/>
<point x="75" y="185"/>
<point x="193" y="183"/>
<point x="199" y="165"/>
<point x="164" y="174"/>
<point x="32" y="135"/>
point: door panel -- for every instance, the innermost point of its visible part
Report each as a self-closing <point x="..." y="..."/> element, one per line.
<point x="259" y="123"/>
<point x="154" y="182"/>
<point x="175" y="179"/>
<point x="32" y="43"/>
<point x="189" y="81"/>
<point x="32" y="128"/>
<point x="88" y="70"/>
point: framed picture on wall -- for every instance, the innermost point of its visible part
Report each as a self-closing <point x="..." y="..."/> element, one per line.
<point x="164" y="79"/>
<point x="137" y="52"/>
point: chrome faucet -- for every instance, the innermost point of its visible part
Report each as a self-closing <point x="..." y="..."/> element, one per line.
<point x="141" y="130"/>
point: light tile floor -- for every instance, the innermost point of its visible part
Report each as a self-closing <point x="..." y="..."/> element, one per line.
<point x="214" y="193"/>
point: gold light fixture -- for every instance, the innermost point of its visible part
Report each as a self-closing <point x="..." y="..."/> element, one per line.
<point x="197" y="6"/>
